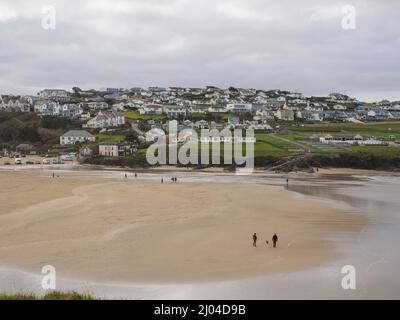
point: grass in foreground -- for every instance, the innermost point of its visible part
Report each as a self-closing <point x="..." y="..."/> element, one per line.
<point x="55" y="295"/>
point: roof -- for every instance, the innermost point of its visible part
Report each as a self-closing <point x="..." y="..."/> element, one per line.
<point x="77" y="133"/>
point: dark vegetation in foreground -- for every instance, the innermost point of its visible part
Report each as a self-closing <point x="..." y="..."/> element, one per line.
<point x="55" y="295"/>
<point x="306" y="163"/>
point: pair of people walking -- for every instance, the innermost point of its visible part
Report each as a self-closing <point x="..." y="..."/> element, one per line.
<point x="274" y="240"/>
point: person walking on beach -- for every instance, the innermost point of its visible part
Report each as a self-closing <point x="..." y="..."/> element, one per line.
<point x="255" y="240"/>
<point x="274" y="240"/>
<point x="53" y="175"/>
<point x="135" y="175"/>
<point x="126" y="176"/>
<point x="287" y="181"/>
<point x="162" y="180"/>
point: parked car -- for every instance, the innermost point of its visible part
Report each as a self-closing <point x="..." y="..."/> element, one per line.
<point x="7" y="163"/>
<point x="45" y="161"/>
<point x="30" y="162"/>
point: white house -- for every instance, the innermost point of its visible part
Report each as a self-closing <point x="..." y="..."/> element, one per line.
<point x="349" y="140"/>
<point x="339" y="107"/>
<point x="76" y="136"/>
<point x="106" y="120"/>
<point x="239" y="107"/>
<point x="174" y="111"/>
<point x="150" y="109"/>
<point x="98" y="105"/>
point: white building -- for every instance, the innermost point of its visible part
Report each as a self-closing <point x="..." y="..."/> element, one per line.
<point x="150" y="109"/>
<point x="76" y="136"/>
<point x="106" y="120"/>
<point x="55" y="94"/>
<point x="349" y="140"/>
<point x="116" y="149"/>
<point x="99" y="105"/>
<point x="239" y="107"/>
<point x="14" y="106"/>
<point x="174" y="111"/>
<point x="56" y="110"/>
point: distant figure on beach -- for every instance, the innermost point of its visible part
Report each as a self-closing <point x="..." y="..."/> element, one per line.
<point x="287" y="181"/>
<point x="176" y="179"/>
<point x="274" y="240"/>
<point x="135" y="175"/>
<point x="126" y="176"/>
<point x="255" y="240"/>
<point x="53" y="175"/>
<point x="162" y="180"/>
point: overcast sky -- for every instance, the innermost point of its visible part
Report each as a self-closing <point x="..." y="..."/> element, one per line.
<point x="264" y="44"/>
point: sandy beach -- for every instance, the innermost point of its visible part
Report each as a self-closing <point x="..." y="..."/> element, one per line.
<point x="144" y="231"/>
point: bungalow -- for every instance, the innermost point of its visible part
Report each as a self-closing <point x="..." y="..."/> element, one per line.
<point x="175" y="111"/>
<point x="339" y="115"/>
<point x="198" y="109"/>
<point x="239" y="107"/>
<point x="349" y="140"/>
<point x="150" y="109"/>
<point x="339" y="107"/>
<point x="98" y="105"/>
<point x="73" y="136"/>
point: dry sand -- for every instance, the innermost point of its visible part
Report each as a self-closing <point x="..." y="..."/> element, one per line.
<point x="133" y="230"/>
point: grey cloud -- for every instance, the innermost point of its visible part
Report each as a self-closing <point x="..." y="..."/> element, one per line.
<point x="253" y="43"/>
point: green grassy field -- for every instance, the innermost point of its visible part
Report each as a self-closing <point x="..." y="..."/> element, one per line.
<point x="380" y="130"/>
<point x="102" y="137"/>
<point x="134" y="115"/>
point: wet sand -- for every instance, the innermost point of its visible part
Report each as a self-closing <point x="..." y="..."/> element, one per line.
<point x="115" y="229"/>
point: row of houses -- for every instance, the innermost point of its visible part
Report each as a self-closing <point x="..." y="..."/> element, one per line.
<point x="14" y="105"/>
<point x="350" y="140"/>
<point x="56" y="109"/>
<point x="106" y="120"/>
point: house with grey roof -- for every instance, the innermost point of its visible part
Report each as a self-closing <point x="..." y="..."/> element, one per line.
<point x="106" y="120"/>
<point x="76" y="136"/>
